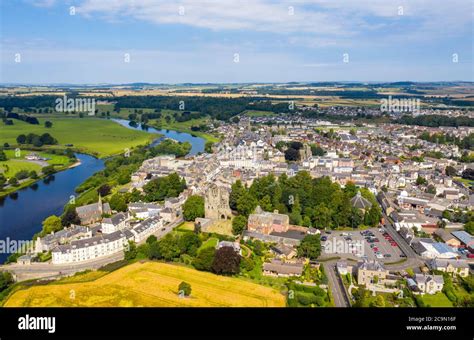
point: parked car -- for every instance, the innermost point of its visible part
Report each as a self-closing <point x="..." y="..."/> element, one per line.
<point x="376" y="240"/>
<point x="387" y="255"/>
<point x="324" y="238"/>
<point x="403" y="255"/>
<point x="470" y="255"/>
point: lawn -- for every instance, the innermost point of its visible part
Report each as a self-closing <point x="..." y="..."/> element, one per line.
<point x="437" y="300"/>
<point x="209" y="243"/>
<point x="150" y="284"/>
<point x="10" y="167"/>
<point x="99" y="137"/>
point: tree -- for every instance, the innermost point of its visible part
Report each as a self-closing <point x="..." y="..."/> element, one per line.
<point x="469" y="227"/>
<point x="104" y="190"/>
<point x="226" y="261"/>
<point x="189" y="243"/>
<point x="246" y="204"/>
<point x="468" y="174"/>
<point x="118" y="203"/>
<point x="3" y="156"/>
<point x="51" y="224"/>
<point x="70" y="217"/>
<point x="450" y="171"/>
<point x="237" y="190"/>
<point x="184" y="288"/>
<point x="3" y="180"/>
<point x="32" y="174"/>
<point x="292" y="155"/>
<point x="379" y="301"/>
<point x="204" y="259"/>
<point x="48" y="124"/>
<point x="168" y="247"/>
<point x="239" y="224"/>
<point x="48" y="170"/>
<point x="266" y="203"/>
<point x="295" y="216"/>
<point x="431" y="189"/>
<point x="151" y="239"/>
<point x="310" y="247"/>
<point x="13" y="181"/>
<point x="193" y="208"/>
<point x="420" y="180"/>
<point x="322" y="217"/>
<point x="21" y="139"/>
<point x="130" y="252"/>
<point x="373" y="216"/>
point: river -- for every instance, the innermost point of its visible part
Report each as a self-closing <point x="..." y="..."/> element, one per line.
<point x="21" y="213"/>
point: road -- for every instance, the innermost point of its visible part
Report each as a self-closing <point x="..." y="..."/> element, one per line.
<point x="43" y="270"/>
<point x="413" y="259"/>
<point x="335" y="284"/>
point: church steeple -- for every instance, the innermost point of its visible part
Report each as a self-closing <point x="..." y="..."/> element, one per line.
<point x="100" y="204"/>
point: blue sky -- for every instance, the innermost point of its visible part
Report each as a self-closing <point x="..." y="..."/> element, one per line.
<point x="198" y="41"/>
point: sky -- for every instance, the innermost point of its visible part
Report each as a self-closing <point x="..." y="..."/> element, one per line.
<point x="238" y="41"/>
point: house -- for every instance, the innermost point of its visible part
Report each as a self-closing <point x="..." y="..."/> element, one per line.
<point x="93" y="212"/>
<point x="465" y="238"/>
<point x="283" y="251"/>
<point x="369" y="272"/>
<point x="143" y="210"/>
<point x="146" y="228"/>
<point x="233" y="245"/>
<point x="114" y="223"/>
<point x="448" y="238"/>
<point x="266" y="222"/>
<point x="284" y="269"/>
<point x="455" y="267"/>
<point x="50" y="241"/>
<point x="168" y="215"/>
<point x="430" y="284"/>
<point x="343" y="268"/>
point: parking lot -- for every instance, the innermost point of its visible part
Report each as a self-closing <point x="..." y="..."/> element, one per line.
<point x="371" y="244"/>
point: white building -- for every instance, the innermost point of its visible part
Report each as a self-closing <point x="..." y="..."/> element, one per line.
<point x="91" y="248"/>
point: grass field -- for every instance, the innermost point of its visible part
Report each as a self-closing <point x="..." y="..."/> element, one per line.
<point x="95" y="136"/>
<point x="437" y="300"/>
<point x="10" y="167"/>
<point x="150" y="284"/>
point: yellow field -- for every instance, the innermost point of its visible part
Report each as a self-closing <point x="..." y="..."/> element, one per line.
<point x="150" y="284"/>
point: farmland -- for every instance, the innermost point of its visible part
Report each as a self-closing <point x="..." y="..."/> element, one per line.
<point x="99" y="137"/>
<point x="149" y="284"/>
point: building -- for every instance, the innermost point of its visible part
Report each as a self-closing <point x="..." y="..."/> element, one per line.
<point x="216" y="203"/>
<point x="91" y="248"/>
<point x="369" y="272"/>
<point x="455" y="267"/>
<point x="360" y="202"/>
<point x="283" y="269"/>
<point x="50" y="241"/>
<point x="343" y="268"/>
<point x="93" y="212"/>
<point x="266" y="222"/>
<point x="114" y="223"/>
<point x="448" y="238"/>
<point x="143" y="210"/>
<point x="146" y="228"/>
<point x="233" y="245"/>
<point x="429" y="284"/>
<point x="465" y="238"/>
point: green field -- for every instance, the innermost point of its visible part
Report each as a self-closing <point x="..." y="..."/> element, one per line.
<point x="99" y="137"/>
<point x="10" y="167"/>
<point x="148" y="284"/>
<point x="437" y="300"/>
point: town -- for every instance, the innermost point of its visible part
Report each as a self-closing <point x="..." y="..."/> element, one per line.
<point x="399" y="222"/>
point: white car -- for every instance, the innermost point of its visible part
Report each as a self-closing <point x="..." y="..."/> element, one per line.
<point x="379" y="256"/>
